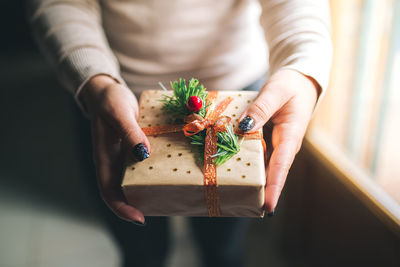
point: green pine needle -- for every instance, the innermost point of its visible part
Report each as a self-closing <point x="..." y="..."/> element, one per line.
<point x="228" y="144"/>
<point x="176" y="105"/>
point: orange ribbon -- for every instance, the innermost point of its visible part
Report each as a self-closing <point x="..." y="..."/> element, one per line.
<point x="213" y="122"/>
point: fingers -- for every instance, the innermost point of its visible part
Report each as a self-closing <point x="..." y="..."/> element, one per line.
<point x="116" y="202"/>
<point x="109" y="168"/>
<point x="286" y="140"/>
<point x="134" y="139"/>
<point x="113" y="109"/>
<point x="286" y="100"/>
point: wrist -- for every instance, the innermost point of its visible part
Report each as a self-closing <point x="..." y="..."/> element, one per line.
<point x="315" y="85"/>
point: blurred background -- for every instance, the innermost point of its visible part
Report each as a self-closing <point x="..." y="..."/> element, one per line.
<point x="341" y="204"/>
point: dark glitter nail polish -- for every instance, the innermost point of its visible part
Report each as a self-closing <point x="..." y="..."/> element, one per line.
<point x="246" y="124"/>
<point x="270" y="214"/>
<point x="140" y="152"/>
<point x="139" y="223"/>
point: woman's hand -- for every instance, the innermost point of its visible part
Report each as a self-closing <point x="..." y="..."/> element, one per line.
<point x="287" y="100"/>
<point x="113" y="110"/>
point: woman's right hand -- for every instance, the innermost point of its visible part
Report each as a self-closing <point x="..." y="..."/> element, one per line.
<point x="113" y="110"/>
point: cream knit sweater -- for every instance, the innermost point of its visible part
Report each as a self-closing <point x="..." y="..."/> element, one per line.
<point x="227" y="44"/>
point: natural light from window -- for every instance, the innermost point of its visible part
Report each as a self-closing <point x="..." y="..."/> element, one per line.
<point x="360" y="112"/>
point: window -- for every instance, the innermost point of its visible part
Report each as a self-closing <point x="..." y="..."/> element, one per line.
<point x="360" y="113"/>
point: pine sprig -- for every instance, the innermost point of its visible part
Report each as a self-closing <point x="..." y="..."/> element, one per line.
<point x="227" y="146"/>
<point x="228" y="143"/>
<point x="176" y="105"/>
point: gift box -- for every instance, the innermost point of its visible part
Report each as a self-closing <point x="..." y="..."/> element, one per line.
<point x="171" y="181"/>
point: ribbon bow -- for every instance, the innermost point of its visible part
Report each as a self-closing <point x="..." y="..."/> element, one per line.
<point x="197" y="123"/>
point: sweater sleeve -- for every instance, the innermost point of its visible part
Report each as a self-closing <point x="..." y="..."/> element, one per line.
<point x="70" y="34"/>
<point x="298" y="37"/>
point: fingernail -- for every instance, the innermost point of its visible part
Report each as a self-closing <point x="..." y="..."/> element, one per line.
<point x="139" y="223"/>
<point x="246" y="124"/>
<point x="140" y="152"/>
<point x="271" y="213"/>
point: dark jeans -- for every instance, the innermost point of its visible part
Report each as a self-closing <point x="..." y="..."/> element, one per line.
<point x="221" y="240"/>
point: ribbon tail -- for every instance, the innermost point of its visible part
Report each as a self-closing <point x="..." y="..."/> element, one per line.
<point x="163" y="129"/>
<point x="220" y="108"/>
<point x="210" y="174"/>
<point x="211" y="98"/>
<point x="253" y="136"/>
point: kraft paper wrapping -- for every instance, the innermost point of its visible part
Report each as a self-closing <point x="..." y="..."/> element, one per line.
<point x="170" y="181"/>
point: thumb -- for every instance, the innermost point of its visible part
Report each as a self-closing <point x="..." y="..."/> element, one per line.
<point x="268" y="102"/>
<point x="133" y="138"/>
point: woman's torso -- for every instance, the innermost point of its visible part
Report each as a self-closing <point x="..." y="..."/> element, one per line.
<point x="219" y="42"/>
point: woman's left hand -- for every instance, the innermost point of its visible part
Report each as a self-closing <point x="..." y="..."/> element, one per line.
<point x="287" y="100"/>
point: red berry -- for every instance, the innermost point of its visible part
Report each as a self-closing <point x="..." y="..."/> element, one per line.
<point x="194" y="103"/>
